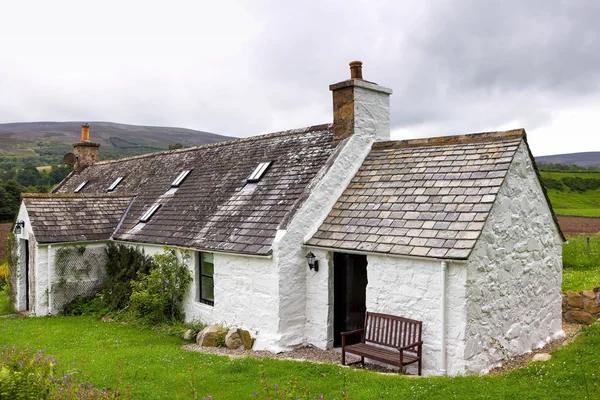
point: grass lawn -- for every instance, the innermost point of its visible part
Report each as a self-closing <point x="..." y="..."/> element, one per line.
<point x="581" y="265"/>
<point x="153" y="366"/>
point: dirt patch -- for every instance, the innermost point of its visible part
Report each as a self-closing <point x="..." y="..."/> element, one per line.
<point x="4" y="230"/>
<point x="571" y="333"/>
<point x="572" y="226"/>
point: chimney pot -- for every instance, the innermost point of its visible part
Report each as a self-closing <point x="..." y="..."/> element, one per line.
<point x="356" y="70"/>
<point x="85" y="132"/>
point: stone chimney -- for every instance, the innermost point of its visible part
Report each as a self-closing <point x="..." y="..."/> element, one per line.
<point x="360" y="107"/>
<point x="86" y="152"/>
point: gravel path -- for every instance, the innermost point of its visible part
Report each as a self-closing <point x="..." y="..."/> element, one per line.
<point x="334" y="356"/>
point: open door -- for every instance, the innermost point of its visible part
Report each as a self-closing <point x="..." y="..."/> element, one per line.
<point x="23" y="299"/>
<point x="349" y="294"/>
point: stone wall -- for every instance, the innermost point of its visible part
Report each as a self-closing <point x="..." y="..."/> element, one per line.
<point x="581" y="307"/>
<point x="514" y="273"/>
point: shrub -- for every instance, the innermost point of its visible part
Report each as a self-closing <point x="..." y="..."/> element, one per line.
<point x="123" y="265"/>
<point x="157" y="297"/>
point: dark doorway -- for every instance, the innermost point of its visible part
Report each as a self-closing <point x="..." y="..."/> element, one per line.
<point x="349" y="294"/>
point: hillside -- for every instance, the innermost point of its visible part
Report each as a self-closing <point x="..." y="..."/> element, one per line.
<point x="50" y="140"/>
<point x="588" y="159"/>
<point x="573" y="193"/>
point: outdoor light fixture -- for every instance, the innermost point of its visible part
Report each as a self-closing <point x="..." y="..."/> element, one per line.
<point x="312" y="261"/>
<point x="19" y="225"/>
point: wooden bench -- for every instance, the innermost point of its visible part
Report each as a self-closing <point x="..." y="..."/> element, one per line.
<point x="387" y="338"/>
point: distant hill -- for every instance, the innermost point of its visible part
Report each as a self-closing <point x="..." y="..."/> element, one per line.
<point x="37" y="139"/>
<point x="588" y="159"/>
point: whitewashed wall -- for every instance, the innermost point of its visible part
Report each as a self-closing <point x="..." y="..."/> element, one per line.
<point x="514" y="273"/>
<point x="20" y="289"/>
<point x="245" y="294"/>
<point x="412" y="288"/>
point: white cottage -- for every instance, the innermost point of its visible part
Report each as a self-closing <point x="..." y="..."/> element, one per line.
<point x="454" y="231"/>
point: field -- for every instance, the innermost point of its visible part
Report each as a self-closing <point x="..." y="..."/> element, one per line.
<point x="581" y="263"/>
<point x="152" y="365"/>
<point x="4" y="230"/>
<point x="566" y="201"/>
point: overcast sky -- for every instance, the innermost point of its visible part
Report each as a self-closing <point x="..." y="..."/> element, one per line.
<point x="245" y="68"/>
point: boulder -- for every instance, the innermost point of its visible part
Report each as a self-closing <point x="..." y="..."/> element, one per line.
<point x="209" y="337"/>
<point x="591" y="306"/>
<point x="581" y="317"/>
<point x="589" y="294"/>
<point x="574" y="299"/>
<point x="541" y="357"/>
<point x="238" y="339"/>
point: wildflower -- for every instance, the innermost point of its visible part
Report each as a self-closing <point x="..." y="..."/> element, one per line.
<point x="255" y="394"/>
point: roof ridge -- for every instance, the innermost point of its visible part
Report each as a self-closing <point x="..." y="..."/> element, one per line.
<point x="481" y="137"/>
<point x="289" y="132"/>
<point x="75" y="195"/>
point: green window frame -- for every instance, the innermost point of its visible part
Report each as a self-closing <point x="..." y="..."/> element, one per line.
<point x="205" y="278"/>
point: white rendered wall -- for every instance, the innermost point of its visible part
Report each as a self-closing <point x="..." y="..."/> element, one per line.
<point x="26" y="234"/>
<point x="412" y="288"/>
<point x="245" y="294"/>
<point x="514" y="273"/>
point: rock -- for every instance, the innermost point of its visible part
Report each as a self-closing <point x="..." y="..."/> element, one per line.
<point x="238" y="339"/>
<point x="209" y="337"/>
<point x="591" y="306"/>
<point x="589" y="294"/>
<point x="248" y="342"/>
<point x="107" y="319"/>
<point x="190" y="334"/>
<point x="541" y="357"/>
<point x="581" y="317"/>
<point x="574" y="299"/>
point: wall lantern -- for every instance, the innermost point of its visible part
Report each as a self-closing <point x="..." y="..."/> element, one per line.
<point x="19" y="225"/>
<point x="313" y="263"/>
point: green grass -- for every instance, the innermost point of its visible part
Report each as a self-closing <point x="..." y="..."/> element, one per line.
<point x="569" y="202"/>
<point x="581" y="264"/>
<point x="152" y="365"/>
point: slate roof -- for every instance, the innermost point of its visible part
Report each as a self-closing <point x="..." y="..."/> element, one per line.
<point x="423" y="197"/>
<point x="74" y="217"/>
<point x="213" y="209"/>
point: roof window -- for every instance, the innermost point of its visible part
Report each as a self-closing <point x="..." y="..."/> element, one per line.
<point x="81" y="185"/>
<point x="148" y="214"/>
<point x="179" y="180"/>
<point x="114" y="184"/>
<point x="258" y="173"/>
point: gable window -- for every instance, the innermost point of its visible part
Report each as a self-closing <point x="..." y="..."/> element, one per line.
<point x="148" y="214"/>
<point x="180" y="178"/>
<point x="258" y="172"/>
<point x="205" y="279"/>
<point x="81" y="185"/>
<point x="114" y="184"/>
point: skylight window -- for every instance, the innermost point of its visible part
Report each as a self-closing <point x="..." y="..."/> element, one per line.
<point x="179" y="180"/>
<point x="114" y="184"/>
<point x="258" y="172"/>
<point x="81" y="185"/>
<point x="148" y="214"/>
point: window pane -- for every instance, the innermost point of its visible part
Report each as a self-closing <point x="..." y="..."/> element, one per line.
<point x="208" y="289"/>
<point x="208" y="268"/>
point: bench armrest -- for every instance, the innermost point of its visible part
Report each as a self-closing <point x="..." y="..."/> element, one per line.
<point x="352" y="332"/>
<point x="419" y="343"/>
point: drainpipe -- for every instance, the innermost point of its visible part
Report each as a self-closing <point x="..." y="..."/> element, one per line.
<point x="443" y="270"/>
<point x="49" y="279"/>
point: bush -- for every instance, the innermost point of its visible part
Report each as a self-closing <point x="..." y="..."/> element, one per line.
<point x="123" y="265"/>
<point x="157" y="297"/>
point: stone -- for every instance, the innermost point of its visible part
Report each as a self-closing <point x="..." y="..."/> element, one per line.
<point x="574" y="299"/>
<point x="248" y="342"/>
<point x="190" y="334"/>
<point x="589" y="294"/>
<point x="234" y="339"/>
<point x="591" y="306"/>
<point x="541" y="357"/>
<point x="209" y="337"/>
<point x="581" y="317"/>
